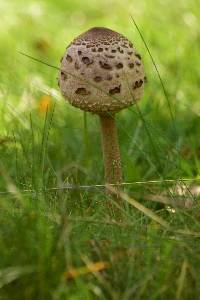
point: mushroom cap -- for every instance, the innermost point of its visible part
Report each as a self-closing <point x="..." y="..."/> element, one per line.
<point x="101" y="72"/>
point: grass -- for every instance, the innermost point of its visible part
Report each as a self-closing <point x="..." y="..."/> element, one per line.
<point x="65" y="244"/>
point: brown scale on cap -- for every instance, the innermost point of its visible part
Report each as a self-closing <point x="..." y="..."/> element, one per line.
<point x="99" y="61"/>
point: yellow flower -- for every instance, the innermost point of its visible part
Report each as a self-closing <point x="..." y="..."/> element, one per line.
<point x="45" y="103"/>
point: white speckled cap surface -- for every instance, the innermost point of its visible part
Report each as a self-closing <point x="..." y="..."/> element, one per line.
<point x="101" y="72"/>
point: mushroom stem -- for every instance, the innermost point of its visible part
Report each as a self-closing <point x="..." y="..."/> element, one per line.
<point x="111" y="152"/>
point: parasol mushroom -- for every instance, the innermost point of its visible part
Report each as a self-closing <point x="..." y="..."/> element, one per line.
<point x="102" y="73"/>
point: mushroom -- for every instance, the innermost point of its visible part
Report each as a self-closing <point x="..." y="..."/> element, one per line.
<point x="101" y="72"/>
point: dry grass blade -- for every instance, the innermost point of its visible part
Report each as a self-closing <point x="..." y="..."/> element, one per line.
<point x="187" y="232"/>
<point x="95" y="186"/>
<point x="11" y="187"/>
<point x="91" y="267"/>
<point x="11" y="274"/>
<point x="181" y="280"/>
<point x="162" y="198"/>
<point x="148" y="212"/>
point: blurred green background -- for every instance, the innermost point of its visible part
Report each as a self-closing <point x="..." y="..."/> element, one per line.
<point x="46" y="143"/>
